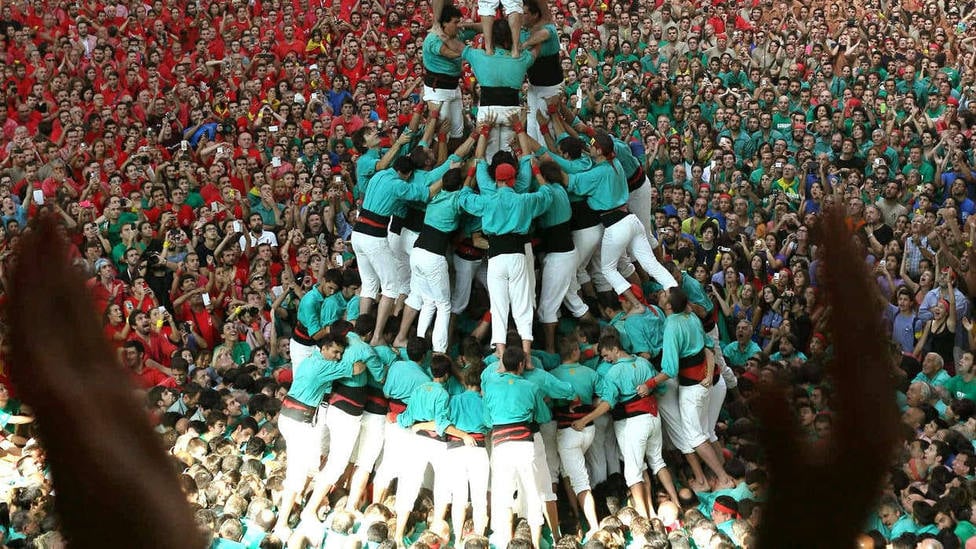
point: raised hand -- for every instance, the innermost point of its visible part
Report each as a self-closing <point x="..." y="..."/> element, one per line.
<point x="803" y="494"/>
<point x="115" y="486"/>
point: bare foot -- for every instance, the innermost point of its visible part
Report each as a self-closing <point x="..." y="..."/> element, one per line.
<point x="397" y="343"/>
<point x="698" y="486"/>
<point x="516" y="53"/>
<point x="489" y="50"/>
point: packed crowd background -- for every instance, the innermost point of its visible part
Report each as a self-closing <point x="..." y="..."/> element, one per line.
<point x="211" y="165"/>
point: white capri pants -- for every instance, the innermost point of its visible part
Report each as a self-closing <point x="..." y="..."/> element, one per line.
<point x="670" y="411"/>
<point x="487" y="8"/>
<point x="416" y="453"/>
<point x="693" y="400"/>
<point x="629" y="236"/>
<point x="466" y="271"/>
<point x="370" y="441"/>
<point x="510" y="291"/>
<point x="573" y="445"/>
<point x="303" y="451"/>
<point x="390" y="464"/>
<point x="451" y="107"/>
<point x="536" y="101"/>
<point x="401" y="245"/>
<point x="322" y="432"/>
<point x="639" y="204"/>
<point x="603" y="457"/>
<point x="377" y="272"/>
<point x="639" y="438"/>
<point x="558" y="272"/>
<point x="715" y="400"/>
<point x="431" y="281"/>
<point x="587" y="244"/>
<point x="511" y="470"/>
<point x="467" y="466"/>
<point x="343" y="435"/>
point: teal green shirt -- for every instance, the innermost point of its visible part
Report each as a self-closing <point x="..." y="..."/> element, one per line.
<point x="309" y="310"/>
<point x="737" y="356"/>
<point x="582" y="379"/>
<point x="500" y="70"/>
<point x="706" y="500"/>
<point x="314" y="379"/>
<point x="444" y="211"/>
<point x="576" y="165"/>
<point x="644" y="332"/>
<point x="333" y="308"/>
<point x="467" y="412"/>
<point x="696" y="293"/>
<point x="434" y="61"/>
<point x="559" y="211"/>
<point x="365" y="169"/>
<point x="604" y="186"/>
<point x="550" y="46"/>
<point x="386" y="191"/>
<point x="620" y="382"/>
<point x="683" y="337"/>
<point x="506" y="212"/>
<point x="358" y="350"/>
<point x="940" y="379"/>
<point x="512" y="399"/>
<point x="403" y="377"/>
<point x="428" y="402"/>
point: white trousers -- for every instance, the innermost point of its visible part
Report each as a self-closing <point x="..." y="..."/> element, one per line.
<point x="451" y="108"/>
<point x="465" y="273"/>
<point x="629" y="236"/>
<point x="416" y="453"/>
<point x="603" y="457"/>
<point x="303" y="451"/>
<point x="639" y="204"/>
<point x="431" y="281"/>
<point x="390" y="464"/>
<point x="321" y="427"/>
<point x="343" y="435"/>
<point x="377" y="272"/>
<point x="639" y="438"/>
<point x="468" y="469"/>
<point x="510" y="291"/>
<point x="372" y="429"/>
<point x="715" y="400"/>
<point x="536" y="101"/>
<point x="511" y="470"/>
<point x="558" y="272"/>
<point x="401" y="245"/>
<point x="587" y="244"/>
<point x="670" y="411"/>
<point x="693" y="400"/>
<point x="573" y="445"/>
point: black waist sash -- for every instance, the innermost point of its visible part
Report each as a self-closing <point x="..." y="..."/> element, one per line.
<point x="440" y="81"/>
<point x="546" y="71"/>
<point x="499" y="96"/>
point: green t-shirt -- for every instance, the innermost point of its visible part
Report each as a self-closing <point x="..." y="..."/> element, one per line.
<point x="958" y="388"/>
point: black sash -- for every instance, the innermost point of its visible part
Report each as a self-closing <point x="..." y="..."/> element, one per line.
<point x="499" y="96"/>
<point x="546" y="71"/>
<point x="440" y="81"/>
<point x="557" y="239"/>
<point x="511" y="243"/>
<point x="433" y="240"/>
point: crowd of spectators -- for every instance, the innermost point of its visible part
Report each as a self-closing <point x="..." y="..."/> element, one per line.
<point x="202" y="161"/>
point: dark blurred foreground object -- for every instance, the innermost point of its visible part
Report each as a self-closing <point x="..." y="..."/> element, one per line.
<point x="821" y="497"/>
<point x="115" y="486"/>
